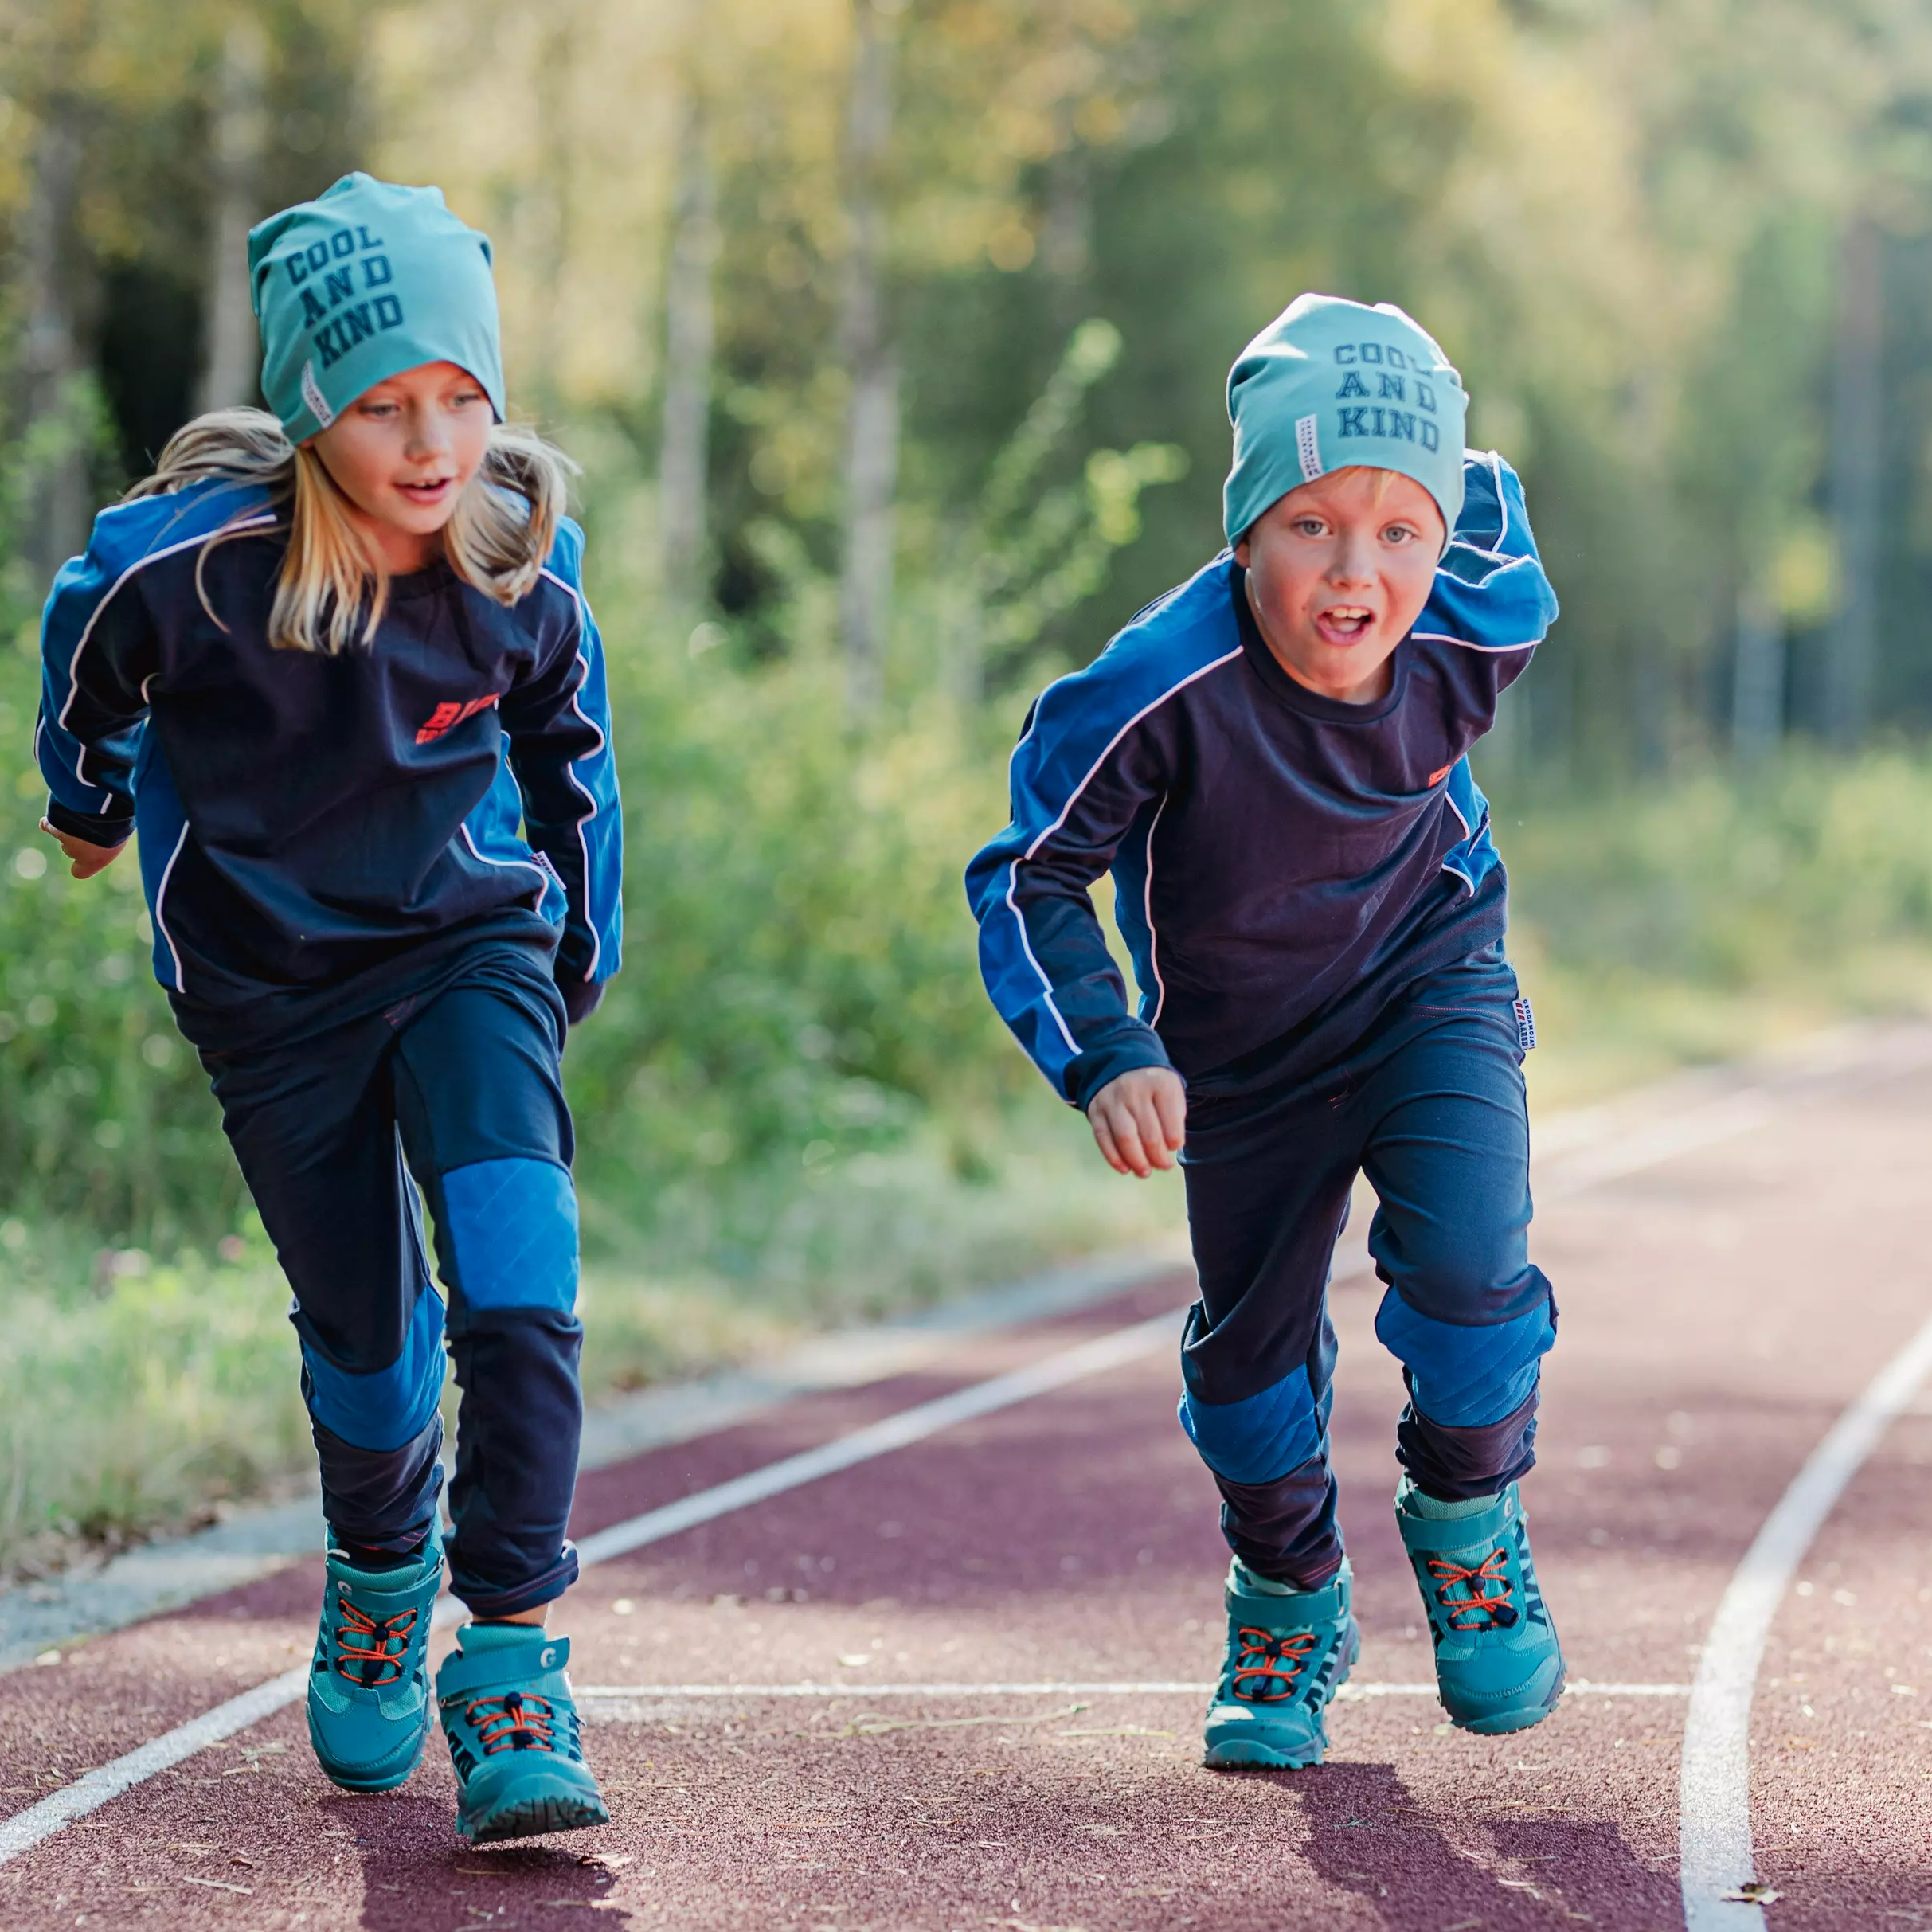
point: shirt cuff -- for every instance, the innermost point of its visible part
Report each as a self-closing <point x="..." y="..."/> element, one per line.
<point x="1134" y="1046"/>
<point x="97" y="828"/>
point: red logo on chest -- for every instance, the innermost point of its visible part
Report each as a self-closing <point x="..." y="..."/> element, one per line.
<point x="449" y="714"/>
<point x="1436" y="778"/>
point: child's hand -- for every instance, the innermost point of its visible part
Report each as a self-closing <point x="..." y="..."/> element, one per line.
<point x="1141" y="1120"/>
<point x="88" y="859"/>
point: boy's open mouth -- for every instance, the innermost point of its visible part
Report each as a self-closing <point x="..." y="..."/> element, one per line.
<point x="1344" y="623"/>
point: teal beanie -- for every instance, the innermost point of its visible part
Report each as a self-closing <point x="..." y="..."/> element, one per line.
<point x="361" y="283"/>
<point x="1330" y="383"/>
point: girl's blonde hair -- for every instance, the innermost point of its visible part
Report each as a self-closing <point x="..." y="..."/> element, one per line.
<point x="333" y="588"/>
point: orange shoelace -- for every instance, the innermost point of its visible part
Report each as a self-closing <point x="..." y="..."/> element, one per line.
<point x="1496" y="1612"/>
<point x="1274" y="1659"/>
<point x="513" y="1722"/>
<point x="372" y="1648"/>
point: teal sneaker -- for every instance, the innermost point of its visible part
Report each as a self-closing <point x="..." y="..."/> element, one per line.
<point x="369" y="1706"/>
<point x="513" y="1734"/>
<point x="1287" y="1654"/>
<point x="1498" y="1664"/>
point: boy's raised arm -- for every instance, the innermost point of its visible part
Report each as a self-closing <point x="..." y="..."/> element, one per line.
<point x="1490" y="591"/>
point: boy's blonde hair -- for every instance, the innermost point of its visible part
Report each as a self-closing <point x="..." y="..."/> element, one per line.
<point x="333" y="589"/>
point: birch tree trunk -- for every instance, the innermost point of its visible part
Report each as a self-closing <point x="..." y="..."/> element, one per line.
<point x="872" y="421"/>
<point x="689" y="339"/>
<point x="1856" y="484"/>
<point x="52" y="365"/>
<point x="231" y="346"/>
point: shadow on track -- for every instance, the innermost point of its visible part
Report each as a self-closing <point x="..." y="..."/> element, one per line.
<point x="1368" y="1835"/>
<point x="418" y="1877"/>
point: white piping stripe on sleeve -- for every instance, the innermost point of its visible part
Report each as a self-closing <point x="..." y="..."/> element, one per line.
<point x="161" y="893"/>
<point x="583" y="657"/>
<point x="1469" y="643"/>
<point x="484" y="858"/>
<point x="1227" y="658"/>
<point x="86" y="629"/>
<point x="1073" y="1046"/>
<point x="1448" y="800"/>
<point x="1026" y="946"/>
<point x="1147" y="908"/>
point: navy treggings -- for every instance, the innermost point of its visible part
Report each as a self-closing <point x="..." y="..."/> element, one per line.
<point x="457" y="1089"/>
<point x="1431" y="1107"/>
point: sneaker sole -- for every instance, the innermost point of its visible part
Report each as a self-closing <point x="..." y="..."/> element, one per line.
<point x="533" y="1817"/>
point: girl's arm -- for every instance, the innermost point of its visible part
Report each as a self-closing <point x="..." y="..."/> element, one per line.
<point x="97" y="647"/>
<point x="558" y="722"/>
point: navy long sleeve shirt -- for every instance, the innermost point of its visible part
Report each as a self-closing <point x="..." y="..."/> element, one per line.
<point x="1283" y="862"/>
<point x="304" y="818"/>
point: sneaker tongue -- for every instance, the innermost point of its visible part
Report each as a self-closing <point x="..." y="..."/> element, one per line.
<point x="476" y="1640"/>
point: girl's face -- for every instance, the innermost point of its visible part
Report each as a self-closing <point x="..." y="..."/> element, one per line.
<point x="402" y="453"/>
<point x="1338" y="573"/>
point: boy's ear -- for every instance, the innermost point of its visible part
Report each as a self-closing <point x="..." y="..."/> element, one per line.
<point x="1240" y="551"/>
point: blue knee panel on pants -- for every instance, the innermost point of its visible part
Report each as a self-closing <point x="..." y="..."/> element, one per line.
<point x="513" y="1225"/>
<point x="387" y="1407"/>
<point x="1262" y="1437"/>
<point x="1464" y="1378"/>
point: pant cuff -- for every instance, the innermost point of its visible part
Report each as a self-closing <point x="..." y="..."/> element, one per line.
<point x="382" y="1500"/>
<point x="1285" y="1530"/>
<point x="486" y="1599"/>
<point x="1457" y="1465"/>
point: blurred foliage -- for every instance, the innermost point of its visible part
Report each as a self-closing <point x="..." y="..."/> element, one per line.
<point x="1625" y="222"/>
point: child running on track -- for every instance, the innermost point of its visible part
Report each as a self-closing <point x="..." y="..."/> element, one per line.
<point x="334" y="664"/>
<point x="1273" y="760"/>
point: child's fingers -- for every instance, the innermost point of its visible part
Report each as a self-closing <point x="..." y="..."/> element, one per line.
<point x="1170" y="1112"/>
<point x="1157" y="1148"/>
<point x="1103" y="1139"/>
<point x="1124" y="1129"/>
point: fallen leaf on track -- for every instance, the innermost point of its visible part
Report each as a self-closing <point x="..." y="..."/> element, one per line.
<point x="247" y="1891"/>
<point x="1753" y="1894"/>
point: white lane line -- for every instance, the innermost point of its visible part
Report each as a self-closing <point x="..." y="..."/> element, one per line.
<point x="1714" y="1810"/>
<point x="27" y="1828"/>
<point x="1349" y="1693"/>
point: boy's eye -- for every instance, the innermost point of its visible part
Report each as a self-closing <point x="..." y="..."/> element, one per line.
<point x="1397" y="533"/>
<point x="1307" y="527"/>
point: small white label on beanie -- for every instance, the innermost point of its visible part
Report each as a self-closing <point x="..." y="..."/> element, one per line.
<point x="1307" y="446"/>
<point x="318" y="403"/>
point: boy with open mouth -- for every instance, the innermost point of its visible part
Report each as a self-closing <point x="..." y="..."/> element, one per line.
<point x="1273" y="761"/>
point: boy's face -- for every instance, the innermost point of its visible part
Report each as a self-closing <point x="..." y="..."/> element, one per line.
<point x="1338" y="573"/>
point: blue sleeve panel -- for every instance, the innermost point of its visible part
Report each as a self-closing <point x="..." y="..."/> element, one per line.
<point x="1491" y="596"/>
<point x="99" y="648"/>
<point x="557" y="734"/>
<point x="1096" y="755"/>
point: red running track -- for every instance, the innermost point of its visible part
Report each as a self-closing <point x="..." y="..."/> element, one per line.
<point x="1718" y="1312"/>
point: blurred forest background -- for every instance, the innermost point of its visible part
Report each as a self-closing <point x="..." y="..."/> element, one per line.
<point x="891" y="335"/>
